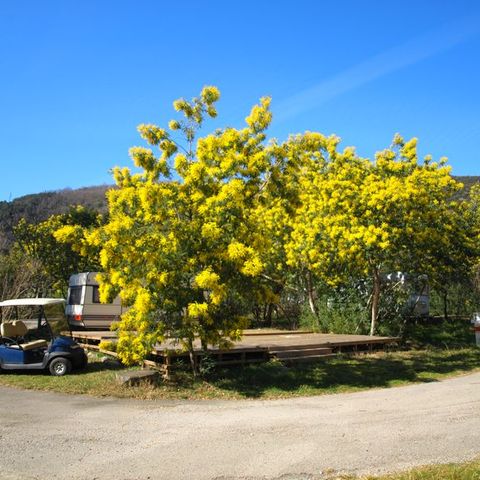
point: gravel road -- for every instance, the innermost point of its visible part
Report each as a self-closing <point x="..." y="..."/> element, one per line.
<point x="47" y="435"/>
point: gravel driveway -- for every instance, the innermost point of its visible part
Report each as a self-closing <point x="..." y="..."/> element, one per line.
<point x="47" y="435"/>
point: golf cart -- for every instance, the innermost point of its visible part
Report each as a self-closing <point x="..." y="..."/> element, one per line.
<point x="31" y="345"/>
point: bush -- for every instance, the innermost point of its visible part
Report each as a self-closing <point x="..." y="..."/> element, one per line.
<point x="108" y="346"/>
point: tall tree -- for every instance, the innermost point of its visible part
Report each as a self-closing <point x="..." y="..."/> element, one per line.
<point x="368" y="218"/>
<point x="474" y="231"/>
<point x="181" y="245"/>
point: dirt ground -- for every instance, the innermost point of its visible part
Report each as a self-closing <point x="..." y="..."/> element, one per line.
<point x="46" y="435"/>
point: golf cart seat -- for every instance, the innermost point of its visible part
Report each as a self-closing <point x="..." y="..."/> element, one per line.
<point x="17" y="330"/>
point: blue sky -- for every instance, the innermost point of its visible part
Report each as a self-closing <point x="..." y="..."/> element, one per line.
<point x="76" y="77"/>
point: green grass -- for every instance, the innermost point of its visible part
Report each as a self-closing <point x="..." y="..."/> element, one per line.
<point x="462" y="471"/>
<point x="345" y="374"/>
<point x="452" y="333"/>
<point x="270" y="380"/>
<point x="97" y="379"/>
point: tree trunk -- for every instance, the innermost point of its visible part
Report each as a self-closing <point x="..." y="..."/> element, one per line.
<point x="193" y="359"/>
<point x="311" y="292"/>
<point x="445" y="304"/>
<point x="375" y="300"/>
<point x="269" y="315"/>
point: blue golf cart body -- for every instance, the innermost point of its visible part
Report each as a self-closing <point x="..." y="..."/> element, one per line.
<point x="31" y="345"/>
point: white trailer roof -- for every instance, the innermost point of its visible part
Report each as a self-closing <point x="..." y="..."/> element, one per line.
<point x="84" y="278"/>
<point x="39" y="302"/>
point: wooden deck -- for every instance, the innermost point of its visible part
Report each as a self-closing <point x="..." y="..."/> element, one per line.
<point x="255" y="346"/>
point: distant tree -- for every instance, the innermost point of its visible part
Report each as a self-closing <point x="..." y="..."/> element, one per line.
<point x="474" y="232"/>
<point x="57" y="259"/>
<point x="21" y="276"/>
<point x="277" y="216"/>
<point x="468" y="182"/>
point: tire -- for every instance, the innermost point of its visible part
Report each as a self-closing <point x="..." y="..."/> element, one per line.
<point x="60" y="366"/>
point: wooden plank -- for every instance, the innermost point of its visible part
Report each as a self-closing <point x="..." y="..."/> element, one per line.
<point x="152" y="364"/>
<point x="108" y="352"/>
<point x="273" y="331"/>
<point x="89" y="346"/>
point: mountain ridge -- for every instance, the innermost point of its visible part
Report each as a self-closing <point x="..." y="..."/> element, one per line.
<point x="37" y="207"/>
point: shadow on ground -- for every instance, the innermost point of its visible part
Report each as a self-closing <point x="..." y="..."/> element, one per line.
<point x="343" y="373"/>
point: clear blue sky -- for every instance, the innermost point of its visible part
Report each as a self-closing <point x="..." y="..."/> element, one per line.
<point x="76" y="77"/>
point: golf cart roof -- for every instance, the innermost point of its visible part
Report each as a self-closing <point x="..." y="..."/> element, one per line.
<point x="39" y="302"/>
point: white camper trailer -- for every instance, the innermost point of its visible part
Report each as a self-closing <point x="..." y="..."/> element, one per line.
<point x="83" y="308"/>
<point x="418" y="302"/>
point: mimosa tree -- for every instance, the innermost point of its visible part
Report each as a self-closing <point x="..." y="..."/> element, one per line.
<point x="363" y="218"/>
<point x="181" y="246"/>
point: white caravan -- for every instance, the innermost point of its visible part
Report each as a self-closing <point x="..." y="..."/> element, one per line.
<point x="83" y="308"/>
<point x="418" y="303"/>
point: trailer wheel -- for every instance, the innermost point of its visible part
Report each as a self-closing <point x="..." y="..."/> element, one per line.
<point x="60" y="366"/>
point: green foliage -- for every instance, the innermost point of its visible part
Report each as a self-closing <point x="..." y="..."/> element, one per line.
<point x="21" y="276"/>
<point x="343" y="312"/>
<point x="207" y="365"/>
<point x="57" y="260"/>
<point x="344" y="308"/>
<point x="456" y="299"/>
<point x="38" y="207"/>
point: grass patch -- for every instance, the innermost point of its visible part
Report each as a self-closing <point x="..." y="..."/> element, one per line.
<point x="97" y="379"/>
<point x="345" y="374"/>
<point x="438" y="332"/>
<point x="269" y="380"/>
<point x="462" y="471"/>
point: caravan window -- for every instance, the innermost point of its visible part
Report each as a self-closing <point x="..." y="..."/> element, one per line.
<point x="75" y="297"/>
<point x="95" y="294"/>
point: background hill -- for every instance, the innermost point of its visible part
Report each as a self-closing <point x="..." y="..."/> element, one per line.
<point x="468" y="182"/>
<point x="37" y="207"/>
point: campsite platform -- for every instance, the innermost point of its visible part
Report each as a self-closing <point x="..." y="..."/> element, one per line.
<point x="255" y="346"/>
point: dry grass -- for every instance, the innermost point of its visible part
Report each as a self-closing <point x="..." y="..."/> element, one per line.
<point x="462" y="471"/>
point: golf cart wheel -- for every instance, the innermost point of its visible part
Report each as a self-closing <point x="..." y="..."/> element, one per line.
<point x="60" y="366"/>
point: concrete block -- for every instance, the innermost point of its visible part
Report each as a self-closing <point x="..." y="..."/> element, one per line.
<point x="137" y="377"/>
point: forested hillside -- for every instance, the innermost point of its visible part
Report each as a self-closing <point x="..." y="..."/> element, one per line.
<point x="468" y="182"/>
<point x="38" y="207"/>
